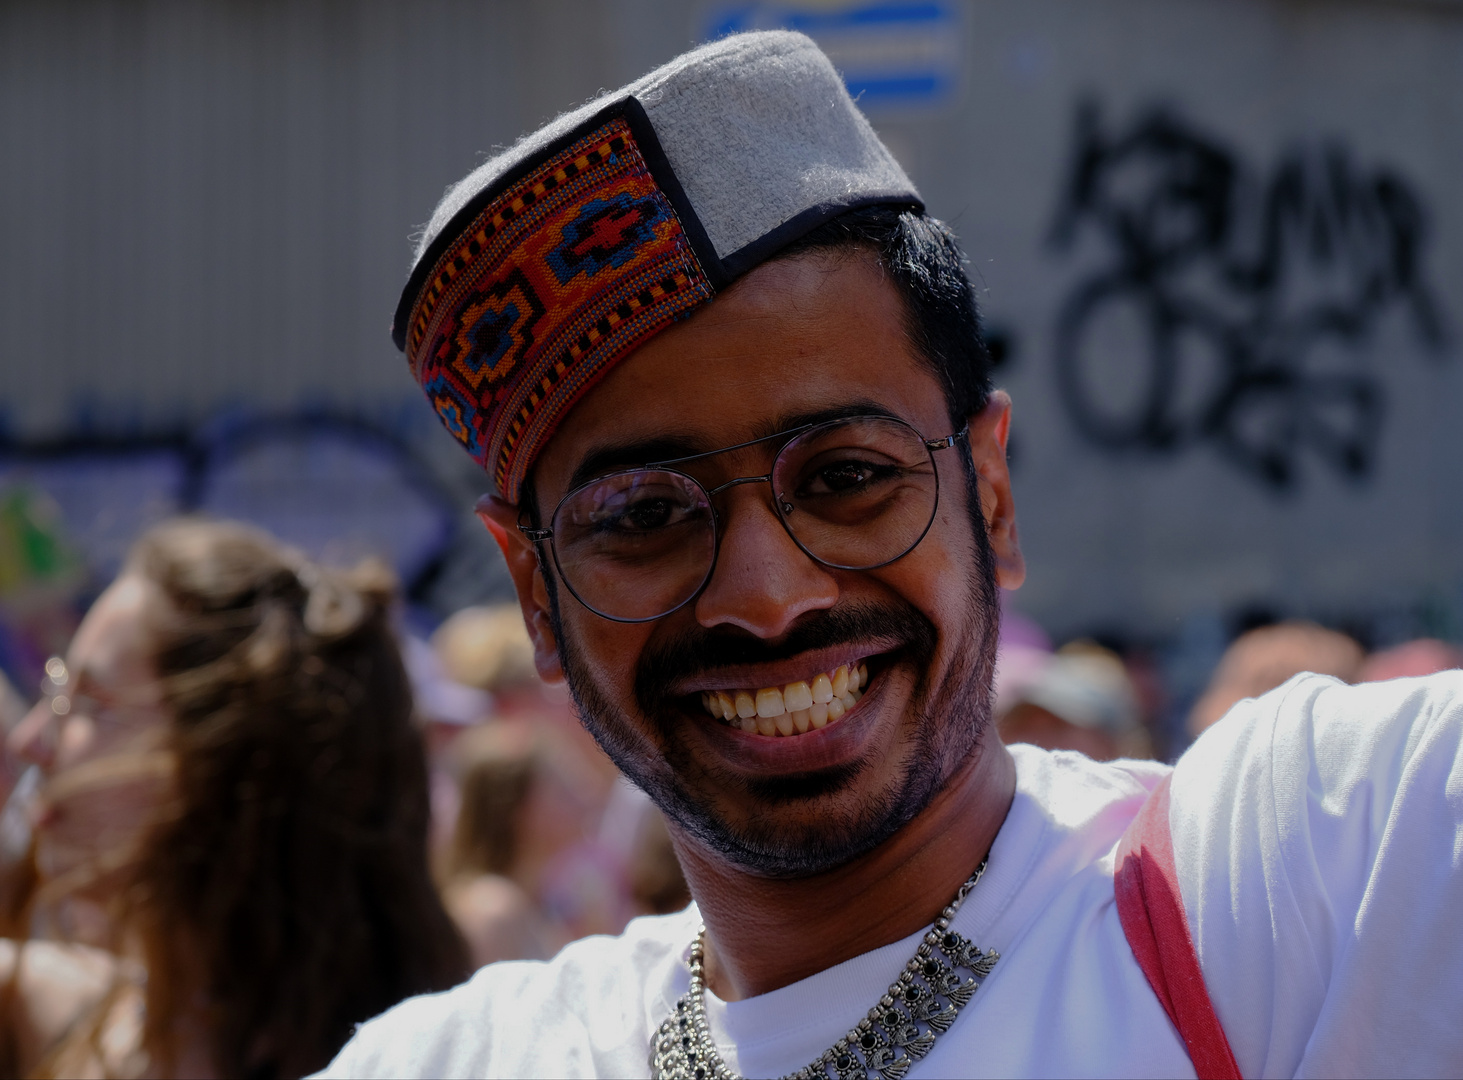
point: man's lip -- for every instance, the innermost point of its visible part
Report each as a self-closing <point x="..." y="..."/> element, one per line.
<point x="799" y="668"/>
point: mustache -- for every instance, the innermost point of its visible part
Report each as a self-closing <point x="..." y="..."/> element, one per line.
<point x="691" y="652"/>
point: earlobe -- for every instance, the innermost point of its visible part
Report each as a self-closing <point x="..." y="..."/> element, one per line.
<point x="501" y="520"/>
<point x="989" y="431"/>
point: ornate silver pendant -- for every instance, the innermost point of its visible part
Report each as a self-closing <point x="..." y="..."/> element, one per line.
<point x="919" y="1007"/>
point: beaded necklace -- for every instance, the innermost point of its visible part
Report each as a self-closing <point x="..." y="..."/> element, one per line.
<point x="901" y="1028"/>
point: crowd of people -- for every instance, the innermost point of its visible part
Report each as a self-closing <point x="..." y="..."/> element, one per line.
<point x="247" y="812"/>
<point x="1087" y="697"/>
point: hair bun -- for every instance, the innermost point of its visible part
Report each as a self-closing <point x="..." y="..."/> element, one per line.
<point x="337" y="602"/>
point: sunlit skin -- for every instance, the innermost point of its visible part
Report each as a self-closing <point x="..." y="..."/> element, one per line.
<point x="107" y="773"/>
<point x="105" y="770"/>
<point x="793" y="337"/>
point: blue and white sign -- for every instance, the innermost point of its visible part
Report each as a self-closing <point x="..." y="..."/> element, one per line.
<point x="891" y="55"/>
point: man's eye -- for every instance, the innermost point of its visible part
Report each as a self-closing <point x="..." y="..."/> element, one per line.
<point x="844" y="478"/>
<point x="644" y="515"/>
<point x="649" y="514"/>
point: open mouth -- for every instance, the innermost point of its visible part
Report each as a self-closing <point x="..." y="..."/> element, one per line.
<point x="792" y="709"/>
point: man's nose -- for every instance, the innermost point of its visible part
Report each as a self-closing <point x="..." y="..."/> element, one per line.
<point x="763" y="581"/>
<point x="33" y="739"/>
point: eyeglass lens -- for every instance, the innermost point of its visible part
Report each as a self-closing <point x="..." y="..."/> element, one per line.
<point x="635" y="545"/>
<point x="853" y="494"/>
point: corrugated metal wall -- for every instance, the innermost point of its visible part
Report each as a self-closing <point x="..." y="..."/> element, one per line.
<point x="209" y="203"/>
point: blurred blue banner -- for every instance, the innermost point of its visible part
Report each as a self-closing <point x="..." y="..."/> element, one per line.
<point x="891" y="55"/>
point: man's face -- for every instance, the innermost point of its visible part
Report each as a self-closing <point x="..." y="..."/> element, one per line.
<point x="793" y="340"/>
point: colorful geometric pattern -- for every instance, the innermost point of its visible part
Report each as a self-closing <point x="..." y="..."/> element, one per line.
<point x="557" y="279"/>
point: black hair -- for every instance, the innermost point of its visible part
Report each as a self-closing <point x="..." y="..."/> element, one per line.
<point x="923" y="260"/>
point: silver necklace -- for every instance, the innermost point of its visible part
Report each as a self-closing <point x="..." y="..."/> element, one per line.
<point x="918" y="1008"/>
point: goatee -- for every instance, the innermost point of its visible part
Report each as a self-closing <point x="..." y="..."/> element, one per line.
<point x="948" y="721"/>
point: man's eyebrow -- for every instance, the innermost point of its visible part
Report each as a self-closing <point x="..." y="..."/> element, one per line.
<point x="607" y="459"/>
<point x="629" y="455"/>
<point x="846" y="411"/>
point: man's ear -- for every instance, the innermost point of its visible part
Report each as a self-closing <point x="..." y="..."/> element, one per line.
<point x="989" y="430"/>
<point x="501" y="519"/>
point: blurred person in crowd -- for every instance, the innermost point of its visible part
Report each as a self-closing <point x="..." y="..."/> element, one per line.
<point x="749" y="476"/>
<point x="488" y="648"/>
<point x="657" y="885"/>
<point x="232" y="827"/>
<point x="1424" y="656"/>
<point x="1023" y="650"/>
<point x="633" y="831"/>
<point x="445" y="710"/>
<point x="1261" y="659"/>
<point x="516" y="819"/>
<point x="530" y="816"/>
<point x="507" y="825"/>
<point x="12" y="705"/>
<point x="17" y="865"/>
<point x="578" y="880"/>
<point x="1080" y="699"/>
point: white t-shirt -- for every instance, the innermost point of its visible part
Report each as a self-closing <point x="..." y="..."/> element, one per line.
<point x="1318" y="837"/>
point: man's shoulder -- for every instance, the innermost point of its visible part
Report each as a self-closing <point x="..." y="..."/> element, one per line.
<point x="1316" y="768"/>
<point x="1073" y="789"/>
<point x="1316" y="730"/>
<point x="1070" y="811"/>
<point x="559" y="1016"/>
<point x="1315" y="841"/>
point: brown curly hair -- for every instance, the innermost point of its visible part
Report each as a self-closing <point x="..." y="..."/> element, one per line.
<point x="286" y="890"/>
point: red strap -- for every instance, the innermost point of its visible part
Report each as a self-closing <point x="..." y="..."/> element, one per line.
<point x="1152" y="914"/>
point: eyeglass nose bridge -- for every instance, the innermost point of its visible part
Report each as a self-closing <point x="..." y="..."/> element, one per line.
<point x="711" y="493"/>
<point x="783" y="507"/>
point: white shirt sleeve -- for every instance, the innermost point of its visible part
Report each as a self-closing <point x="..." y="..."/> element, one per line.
<point x="1318" y="837"/>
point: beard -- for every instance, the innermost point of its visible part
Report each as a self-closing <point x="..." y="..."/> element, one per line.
<point x="810" y="823"/>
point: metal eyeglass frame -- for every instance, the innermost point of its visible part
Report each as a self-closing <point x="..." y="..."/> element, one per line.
<point x="539" y="535"/>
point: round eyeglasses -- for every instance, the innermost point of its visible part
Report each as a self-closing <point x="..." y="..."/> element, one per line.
<point x="853" y="494"/>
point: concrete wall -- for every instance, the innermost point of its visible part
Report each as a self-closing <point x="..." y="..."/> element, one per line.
<point x="1362" y="504"/>
<point x="206" y="205"/>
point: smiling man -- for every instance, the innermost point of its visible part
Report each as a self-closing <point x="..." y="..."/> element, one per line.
<point x="749" y="477"/>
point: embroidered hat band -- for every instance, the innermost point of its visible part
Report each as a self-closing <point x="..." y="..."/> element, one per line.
<point x="552" y="262"/>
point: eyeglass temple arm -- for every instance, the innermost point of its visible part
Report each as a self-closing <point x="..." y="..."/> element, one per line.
<point x="949" y="440"/>
<point x="535" y="533"/>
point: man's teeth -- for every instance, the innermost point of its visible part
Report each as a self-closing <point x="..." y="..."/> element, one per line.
<point x="795" y="708"/>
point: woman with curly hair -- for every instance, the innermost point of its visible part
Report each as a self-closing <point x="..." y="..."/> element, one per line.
<point x="231" y="833"/>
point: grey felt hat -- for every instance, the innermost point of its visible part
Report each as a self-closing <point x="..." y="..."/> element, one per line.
<point x="738" y="148"/>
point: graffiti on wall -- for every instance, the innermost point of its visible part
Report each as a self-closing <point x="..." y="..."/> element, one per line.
<point x="1255" y="298"/>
